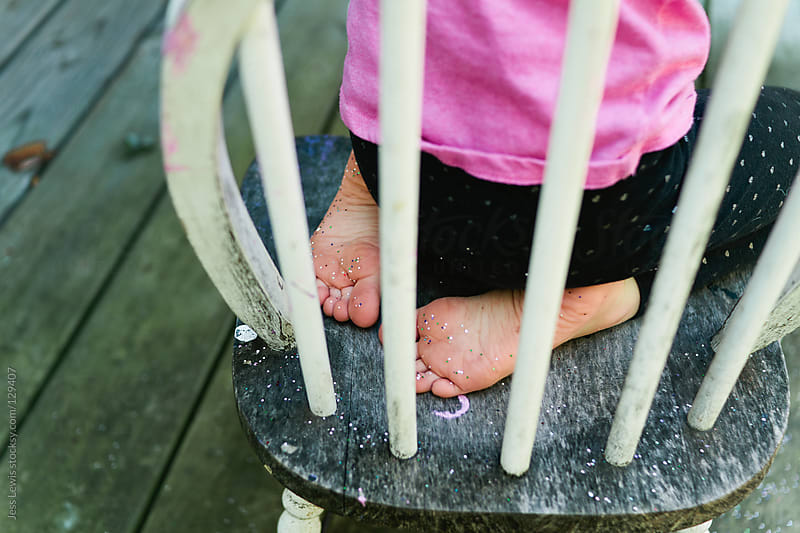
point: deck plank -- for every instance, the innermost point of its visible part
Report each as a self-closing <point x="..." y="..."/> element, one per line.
<point x="53" y="80"/>
<point x="58" y="248"/>
<point x="108" y="423"/>
<point x="216" y="483"/>
<point x="17" y="20"/>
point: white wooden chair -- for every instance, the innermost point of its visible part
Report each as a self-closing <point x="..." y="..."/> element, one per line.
<point x="610" y="456"/>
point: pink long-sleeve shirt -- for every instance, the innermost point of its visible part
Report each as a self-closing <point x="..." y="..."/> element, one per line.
<point x="492" y="70"/>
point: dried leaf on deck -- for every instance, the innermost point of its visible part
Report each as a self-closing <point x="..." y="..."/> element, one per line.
<point x="28" y="156"/>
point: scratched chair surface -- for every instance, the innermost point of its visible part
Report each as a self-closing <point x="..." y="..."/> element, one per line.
<point x="679" y="477"/>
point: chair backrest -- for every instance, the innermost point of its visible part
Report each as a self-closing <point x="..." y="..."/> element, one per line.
<point x="284" y="309"/>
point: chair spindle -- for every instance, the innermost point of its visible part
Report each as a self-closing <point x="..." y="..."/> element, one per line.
<point x="268" y="104"/>
<point x="402" y="30"/>
<point x="590" y="35"/>
<point x="737" y="338"/>
<point x="736" y="88"/>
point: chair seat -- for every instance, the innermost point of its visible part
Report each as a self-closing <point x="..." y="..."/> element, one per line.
<point x="680" y="477"/>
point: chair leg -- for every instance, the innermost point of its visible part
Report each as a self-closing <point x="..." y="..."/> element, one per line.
<point x="701" y="528"/>
<point x="299" y="515"/>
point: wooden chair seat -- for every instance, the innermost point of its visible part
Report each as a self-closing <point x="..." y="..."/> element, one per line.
<point x="680" y="477"/>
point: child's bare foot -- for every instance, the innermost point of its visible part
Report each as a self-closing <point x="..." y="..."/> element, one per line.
<point x="468" y="344"/>
<point x="345" y="251"/>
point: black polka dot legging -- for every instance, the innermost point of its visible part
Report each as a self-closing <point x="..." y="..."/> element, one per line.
<point x="475" y="235"/>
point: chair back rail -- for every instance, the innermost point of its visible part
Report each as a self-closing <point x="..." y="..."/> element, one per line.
<point x="402" y="50"/>
<point x="198" y="50"/>
<point x="199" y="176"/>
<point x="736" y="88"/>
<point x="205" y="195"/>
<point x="590" y="35"/>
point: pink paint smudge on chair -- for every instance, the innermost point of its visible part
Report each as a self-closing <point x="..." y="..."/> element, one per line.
<point x="180" y="42"/>
<point x="169" y="147"/>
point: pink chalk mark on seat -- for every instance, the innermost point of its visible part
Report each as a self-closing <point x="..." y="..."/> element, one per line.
<point x="179" y="42"/>
<point x="361" y="498"/>
<point x="461" y="410"/>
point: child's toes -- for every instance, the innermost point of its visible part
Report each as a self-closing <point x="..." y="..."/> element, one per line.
<point x="364" y="306"/>
<point x="425" y="380"/>
<point x="331" y="300"/>
<point x="445" y="388"/>
<point x="340" y="308"/>
<point x="425" y="377"/>
<point x="322" y="291"/>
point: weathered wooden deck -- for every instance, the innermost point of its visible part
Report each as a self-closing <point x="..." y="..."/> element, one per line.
<point x="118" y="344"/>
